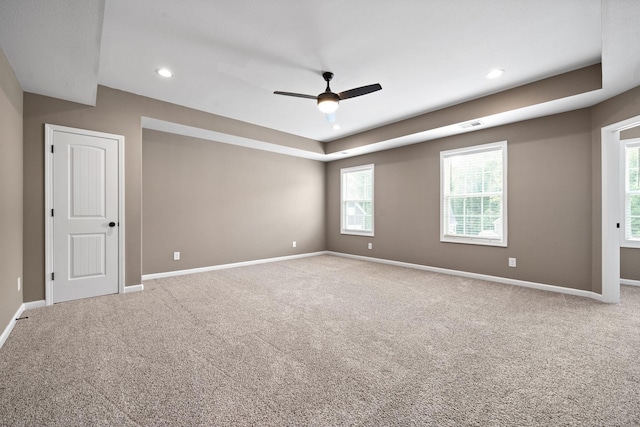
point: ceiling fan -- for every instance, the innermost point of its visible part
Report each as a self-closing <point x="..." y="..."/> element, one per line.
<point x="328" y="101"/>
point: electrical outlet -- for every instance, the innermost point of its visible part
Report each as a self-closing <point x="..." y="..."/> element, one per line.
<point x="370" y="245"/>
<point x="176" y="256"/>
<point x="294" y="243"/>
<point x="512" y="262"/>
<point x="19" y="283"/>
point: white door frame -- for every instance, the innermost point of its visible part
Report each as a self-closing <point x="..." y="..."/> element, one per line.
<point x="612" y="214"/>
<point x="48" y="204"/>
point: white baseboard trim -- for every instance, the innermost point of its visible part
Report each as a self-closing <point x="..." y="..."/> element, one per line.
<point x="485" y="277"/>
<point x="10" y="326"/>
<point x="630" y="282"/>
<point x="504" y="280"/>
<point x="34" y="304"/>
<point x="225" y="266"/>
<point x="133" y="288"/>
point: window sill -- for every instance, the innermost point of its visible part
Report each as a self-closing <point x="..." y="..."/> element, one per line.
<point x="357" y="233"/>
<point x="630" y="245"/>
<point x="471" y="241"/>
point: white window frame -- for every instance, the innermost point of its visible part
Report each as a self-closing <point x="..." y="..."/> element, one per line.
<point x="343" y="227"/>
<point x="625" y="241"/>
<point x="475" y="240"/>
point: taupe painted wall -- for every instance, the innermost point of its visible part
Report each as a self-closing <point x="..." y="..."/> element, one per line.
<point x="10" y="192"/>
<point x="115" y="112"/>
<point x="632" y="133"/>
<point x="549" y="204"/>
<point x="119" y="113"/>
<point x="405" y="168"/>
<point x="630" y="264"/>
<point x="218" y="203"/>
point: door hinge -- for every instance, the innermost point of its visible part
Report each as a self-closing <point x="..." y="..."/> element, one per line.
<point x="51" y="212"/>
<point x="52" y="148"/>
<point x="618" y="225"/>
<point x="53" y="275"/>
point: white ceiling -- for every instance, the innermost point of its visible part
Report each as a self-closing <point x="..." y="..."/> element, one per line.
<point x="229" y="56"/>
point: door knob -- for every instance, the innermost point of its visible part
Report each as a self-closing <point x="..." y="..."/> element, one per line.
<point x="112" y="224"/>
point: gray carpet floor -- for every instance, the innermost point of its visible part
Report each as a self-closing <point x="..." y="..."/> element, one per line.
<point x="325" y="341"/>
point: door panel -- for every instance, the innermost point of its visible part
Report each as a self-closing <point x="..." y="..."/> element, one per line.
<point x="87" y="169"/>
<point x="87" y="255"/>
<point x="85" y="202"/>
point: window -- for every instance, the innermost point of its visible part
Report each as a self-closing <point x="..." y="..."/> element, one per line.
<point x="632" y="193"/>
<point x="473" y="204"/>
<point x="356" y="208"/>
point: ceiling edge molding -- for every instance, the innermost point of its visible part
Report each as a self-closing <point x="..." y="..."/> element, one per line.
<point x="567" y="85"/>
<point x="225" y="138"/>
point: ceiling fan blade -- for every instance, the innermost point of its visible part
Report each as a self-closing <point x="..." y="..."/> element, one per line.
<point x="331" y="117"/>
<point x="352" y="93"/>
<point x="297" y="95"/>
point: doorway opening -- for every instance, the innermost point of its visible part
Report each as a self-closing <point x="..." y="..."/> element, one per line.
<point x="612" y="215"/>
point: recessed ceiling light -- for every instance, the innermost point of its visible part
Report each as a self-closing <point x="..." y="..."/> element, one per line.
<point x="163" y="72"/>
<point x="497" y="72"/>
<point x="335" y="127"/>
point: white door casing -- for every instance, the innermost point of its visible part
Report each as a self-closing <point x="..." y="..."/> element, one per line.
<point x="84" y="214"/>
<point x="612" y="214"/>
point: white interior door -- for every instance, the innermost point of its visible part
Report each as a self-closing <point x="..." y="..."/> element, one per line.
<point x="85" y="215"/>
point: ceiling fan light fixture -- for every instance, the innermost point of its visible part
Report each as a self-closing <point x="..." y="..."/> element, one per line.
<point x="328" y="107"/>
<point x="328" y="102"/>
